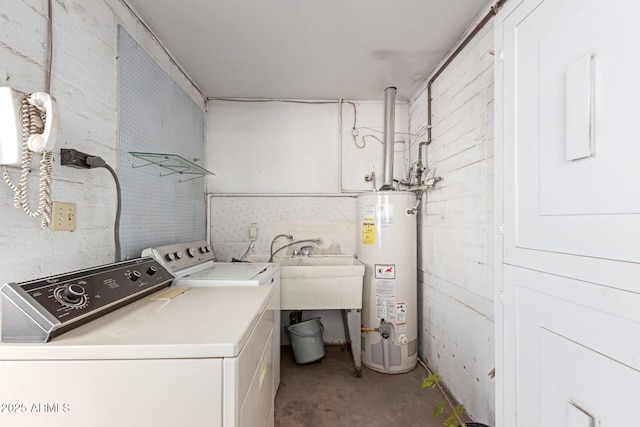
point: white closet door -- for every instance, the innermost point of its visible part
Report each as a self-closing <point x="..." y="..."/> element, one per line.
<point x="568" y="191"/>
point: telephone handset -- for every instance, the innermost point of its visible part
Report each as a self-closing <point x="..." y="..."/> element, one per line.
<point x="28" y="125"/>
<point x="46" y="140"/>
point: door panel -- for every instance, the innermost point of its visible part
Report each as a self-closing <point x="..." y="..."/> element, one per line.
<point x="575" y="345"/>
<point x="587" y="206"/>
<point x="581" y="385"/>
<point x="568" y="199"/>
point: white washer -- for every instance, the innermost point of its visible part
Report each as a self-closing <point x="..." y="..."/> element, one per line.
<point x="193" y="264"/>
<point x="180" y="356"/>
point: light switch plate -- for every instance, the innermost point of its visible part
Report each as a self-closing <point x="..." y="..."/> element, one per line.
<point x="63" y="216"/>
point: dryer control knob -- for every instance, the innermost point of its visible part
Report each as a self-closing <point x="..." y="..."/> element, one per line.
<point x="170" y="256"/>
<point x="134" y="275"/>
<point x="152" y="270"/>
<point x="191" y="252"/>
<point x="178" y="255"/>
<point x="202" y="250"/>
<point x="73" y="293"/>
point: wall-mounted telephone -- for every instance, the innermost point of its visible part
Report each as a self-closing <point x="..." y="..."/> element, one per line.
<point x="28" y="125"/>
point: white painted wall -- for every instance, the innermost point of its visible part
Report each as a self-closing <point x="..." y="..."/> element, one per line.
<point x="455" y="228"/>
<point x="272" y="146"/>
<point x="84" y="84"/>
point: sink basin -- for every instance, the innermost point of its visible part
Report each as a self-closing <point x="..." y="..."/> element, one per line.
<point x="320" y="282"/>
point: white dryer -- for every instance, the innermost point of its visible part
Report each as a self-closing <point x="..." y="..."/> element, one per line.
<point x="166" y="357"/>
<point x="194" y="265"/>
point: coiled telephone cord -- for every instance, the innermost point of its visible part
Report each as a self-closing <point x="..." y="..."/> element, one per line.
<point x="32" y="122"/>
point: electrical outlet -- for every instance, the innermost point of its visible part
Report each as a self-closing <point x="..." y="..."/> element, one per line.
<point x="253" y="231"/>
<point x="63" y="216"/>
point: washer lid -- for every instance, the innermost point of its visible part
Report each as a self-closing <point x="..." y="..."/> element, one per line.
<point x="232" y="271"/>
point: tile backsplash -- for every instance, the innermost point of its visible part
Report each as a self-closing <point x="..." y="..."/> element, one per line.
<point x="333" y="219"/>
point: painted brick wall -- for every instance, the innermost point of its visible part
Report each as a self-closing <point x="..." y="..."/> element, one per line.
<point x="84" y="84"/>
<point x="455" y="228"/>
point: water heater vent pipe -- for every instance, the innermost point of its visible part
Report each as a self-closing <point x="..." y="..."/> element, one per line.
<point x="389" y="133"/>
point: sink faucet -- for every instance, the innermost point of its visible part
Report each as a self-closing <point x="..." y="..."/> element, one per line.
<point x="306" y="250"/>
<point x="303" y="252"/>
<point x="317" y="241"/>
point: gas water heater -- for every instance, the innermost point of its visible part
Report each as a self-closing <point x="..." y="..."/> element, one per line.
<point x="388" y="249"/>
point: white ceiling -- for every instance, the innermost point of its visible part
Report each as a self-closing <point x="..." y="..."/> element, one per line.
<point x="308" y="49"/>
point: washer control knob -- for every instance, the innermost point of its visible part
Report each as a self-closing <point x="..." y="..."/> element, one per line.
<point x="178" y="254"/>
<point x="134" y="275"/>
<point x="202" y="250"/>
<point x="191" y="252"/>
<point x="152" y="270"/>
<point x="170" y="256"/>
<point x="207" y="249"/>
<point x="73" y="293"/>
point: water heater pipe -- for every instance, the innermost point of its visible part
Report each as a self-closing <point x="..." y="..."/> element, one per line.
<point x="493" y="10"/>
<point x="389" y="133"/>
<point x="385" y="353"/>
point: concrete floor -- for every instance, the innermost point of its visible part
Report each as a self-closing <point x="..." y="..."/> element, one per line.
<point x="325" y="393"/>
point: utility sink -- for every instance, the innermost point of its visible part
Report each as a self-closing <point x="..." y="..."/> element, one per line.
<point x="320" y="282"/>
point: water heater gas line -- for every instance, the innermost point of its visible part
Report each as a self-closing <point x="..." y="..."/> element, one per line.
<point x="493" y="10"/>
<point x="389" y="132"/>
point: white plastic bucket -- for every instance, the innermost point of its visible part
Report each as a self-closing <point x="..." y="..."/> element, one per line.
<point x="306" y="340"/>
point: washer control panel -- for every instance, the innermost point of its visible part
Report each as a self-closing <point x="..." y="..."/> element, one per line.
<point x="179" y="256"/>
<point x="52" y="305"/>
